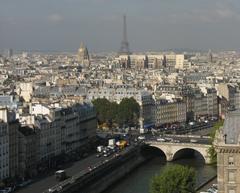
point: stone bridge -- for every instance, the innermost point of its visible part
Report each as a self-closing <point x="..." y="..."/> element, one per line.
<point x="173" y="150"/>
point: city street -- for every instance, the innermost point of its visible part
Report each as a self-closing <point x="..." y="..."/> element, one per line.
<point x="47" y="182"/>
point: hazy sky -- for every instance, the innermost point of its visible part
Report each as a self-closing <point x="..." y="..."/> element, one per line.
<point x="60" y="25"/>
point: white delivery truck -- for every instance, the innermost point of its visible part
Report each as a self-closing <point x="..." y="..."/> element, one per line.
<point x="111" y="142"/>
<point x="99" y="148"/>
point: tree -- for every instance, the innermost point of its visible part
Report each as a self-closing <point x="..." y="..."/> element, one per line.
<point x="102" y="107"/>
<point x="128" y="112"/>
<point x="174" y="179"/>
<point x="211" y="151"/>
<point x="125" y="113"/>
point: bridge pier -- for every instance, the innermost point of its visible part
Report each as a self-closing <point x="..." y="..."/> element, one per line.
<point x="207" y="159"/>
<point x="169" y="157"/>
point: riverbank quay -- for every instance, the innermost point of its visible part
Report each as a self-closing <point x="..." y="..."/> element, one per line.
<point x="103" y="174"/>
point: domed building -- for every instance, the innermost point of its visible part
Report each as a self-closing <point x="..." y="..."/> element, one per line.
<point x="83" y="56"/>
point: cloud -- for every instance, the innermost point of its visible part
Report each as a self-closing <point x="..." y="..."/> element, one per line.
<point x="217" y="14"/>
<point x="55" y="18"/>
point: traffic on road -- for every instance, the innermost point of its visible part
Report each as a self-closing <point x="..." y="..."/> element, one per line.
<point x="55" y="181"/>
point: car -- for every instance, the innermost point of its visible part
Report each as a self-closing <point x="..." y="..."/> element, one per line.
<point x="107" y="154"/>
<point x="176" y="141"/>
<point x="10" y="189"/>
<point x="212" y="190"/>
<point x="98" y="155"/>
<point x="193" y="140"/>
<point x="25" y="183"/>
<point x="141" y="137"/>
<point x="161" y="139"/>
<point x="215" y="186"/>
<point x="50" y="190"/>
<point x="168" y="139"/>
<point x="3" y="191"/>
<point x="191" y="123"/>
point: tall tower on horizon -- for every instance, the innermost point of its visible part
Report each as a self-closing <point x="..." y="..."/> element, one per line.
<point x="83" y="56"/>
<point x="210" y="56"/>
<point x="124" y="44"/>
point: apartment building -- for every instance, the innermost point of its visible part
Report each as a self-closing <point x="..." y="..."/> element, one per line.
<point x="64" y="128"/>
<point x="29" y="155"/>
<point x="167" y="112"/>
<point x="4" y="144"/>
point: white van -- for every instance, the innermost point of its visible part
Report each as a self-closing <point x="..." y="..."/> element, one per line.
<point x="141" y="137"/>
<point x="161" y="139"/>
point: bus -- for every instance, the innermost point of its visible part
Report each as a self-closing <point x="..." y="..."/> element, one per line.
<point x="60" y="175"/>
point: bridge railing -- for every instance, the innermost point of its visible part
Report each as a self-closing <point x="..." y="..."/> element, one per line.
<point x="190" y="136"/>
<point x="151" y="142"/>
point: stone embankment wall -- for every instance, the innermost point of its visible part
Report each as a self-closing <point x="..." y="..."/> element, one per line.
<point x="103" y="177"/>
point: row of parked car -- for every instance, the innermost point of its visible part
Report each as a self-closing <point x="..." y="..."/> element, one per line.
<point x="16" y="187"/>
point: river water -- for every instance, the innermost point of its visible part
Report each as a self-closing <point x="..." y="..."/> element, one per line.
<point x="138" y="180"/>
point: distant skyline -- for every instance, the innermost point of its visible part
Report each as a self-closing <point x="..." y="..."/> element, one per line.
<point x="153" y="25"/>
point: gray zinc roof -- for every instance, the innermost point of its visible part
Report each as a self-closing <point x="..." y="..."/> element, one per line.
<point x="231" y="127"/>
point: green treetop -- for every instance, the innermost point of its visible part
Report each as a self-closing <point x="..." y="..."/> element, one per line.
<point x="174" y="179"/>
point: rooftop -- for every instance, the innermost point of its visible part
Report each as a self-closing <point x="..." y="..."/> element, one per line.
<point x="231" y="127"/>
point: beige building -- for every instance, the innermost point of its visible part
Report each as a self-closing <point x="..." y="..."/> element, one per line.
<point x="25" y="90"/>
<point x="227" y="144"/>
<point x="64" y="129"/>
<point x="124" y="61"/>
<point x="179" y="61"/>
<point x="139" y="61"/>
<point x="152" y="61"/>
<point x="205" y="103"/>
<point x="169" y="112"/>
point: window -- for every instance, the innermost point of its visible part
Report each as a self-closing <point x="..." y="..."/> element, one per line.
<point x="231" y="176"/>
<point x="230" y="160"/>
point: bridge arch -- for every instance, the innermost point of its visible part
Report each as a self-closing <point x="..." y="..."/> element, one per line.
<point x="156" y="151"/>
<point x="186" y="152"/>
<point x="164" y="151"/>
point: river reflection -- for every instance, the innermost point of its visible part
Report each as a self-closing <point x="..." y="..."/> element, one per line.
<point x="138" y="180"/>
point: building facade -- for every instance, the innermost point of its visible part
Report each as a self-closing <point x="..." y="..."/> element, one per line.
<point x="4" y="144"/>
<point x="169" y="112"/>
<point x="63" y="129"/>
<point x="227" y="144"/>
<point x="28" y="151"/>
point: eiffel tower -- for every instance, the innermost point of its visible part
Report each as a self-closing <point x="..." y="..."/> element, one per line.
<point x="124" y="44"/>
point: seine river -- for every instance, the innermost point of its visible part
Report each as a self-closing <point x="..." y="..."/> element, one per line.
<point x="138" y="180"/>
